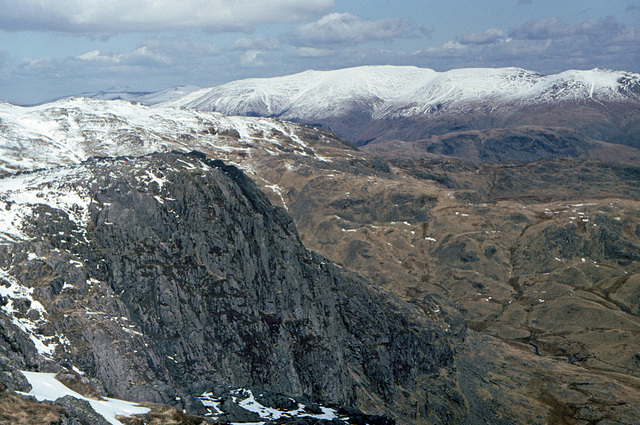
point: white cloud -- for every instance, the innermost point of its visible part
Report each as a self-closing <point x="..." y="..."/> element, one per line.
<point x="95" y="55"/>
<point x="141" y="56"/>
<point x="450" y="45"/>
<point x="345" y="28"/>
<point x="251" y="58"/>
<point x="99" y="16"/>
<point x="492" y="35"/>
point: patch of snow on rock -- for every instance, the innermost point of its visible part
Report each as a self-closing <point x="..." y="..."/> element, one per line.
<point x="20" y="194"/>
<point x="46" y="387"/>
<point x="30" y="323"/>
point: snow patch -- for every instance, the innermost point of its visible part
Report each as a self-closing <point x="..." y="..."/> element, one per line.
<point x="211" y="403"/>
<point x="278" y="190"/>
<point x="14" y="292"/>
<point x="45" y="387"/>
<point x="245" y="399"/>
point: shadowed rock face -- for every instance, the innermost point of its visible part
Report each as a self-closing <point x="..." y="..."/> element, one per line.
<point x="196" y="279"/>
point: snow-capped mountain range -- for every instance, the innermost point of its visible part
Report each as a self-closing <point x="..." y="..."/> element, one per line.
<point x="395" y="91"/>
<point x="380" y="103"/>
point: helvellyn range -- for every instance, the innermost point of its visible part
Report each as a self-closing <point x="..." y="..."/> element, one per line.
<point x="371" y="245"/>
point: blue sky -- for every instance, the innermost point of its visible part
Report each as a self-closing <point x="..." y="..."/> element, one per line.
<point x="55" y="48"/>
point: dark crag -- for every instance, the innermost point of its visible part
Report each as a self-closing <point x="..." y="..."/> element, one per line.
<point x="195" y="279"/>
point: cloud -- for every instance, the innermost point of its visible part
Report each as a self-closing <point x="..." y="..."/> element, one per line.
<point x="312" y="52"/>
<point x="547" y="46"/>
<point x="257" y="43"/>
<point x="141" y="56"/>
<point x="99" y="16"/>
<point x="492" y="35"/>
<point x="252" y="58"/>
<point x="552" y="28"/>
<point x="524" y="1"/>
<point x="345" y="28"/>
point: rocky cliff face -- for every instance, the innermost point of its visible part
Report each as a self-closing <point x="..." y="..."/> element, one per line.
<point x="180" y="275"/>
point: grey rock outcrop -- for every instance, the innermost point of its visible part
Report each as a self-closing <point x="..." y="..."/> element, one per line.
<point x="194" y="279"/>
<point x="80" y="411"/>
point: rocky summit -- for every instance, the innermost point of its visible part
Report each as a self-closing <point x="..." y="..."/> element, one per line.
<point x="143" y="281"/>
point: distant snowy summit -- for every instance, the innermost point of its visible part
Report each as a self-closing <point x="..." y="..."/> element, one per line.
<point x="370" y="104"/>
<point x="384" y="102"/>
<point x="146" y="97"/>
<point x="405" y="91"/>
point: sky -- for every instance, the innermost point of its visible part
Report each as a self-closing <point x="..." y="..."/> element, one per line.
<point x="55" y="48"/>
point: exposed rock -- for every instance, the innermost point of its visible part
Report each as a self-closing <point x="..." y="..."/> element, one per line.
<point x="199" y="280"/>
<point x="77" y="383"/>
<point x="81" y="411"/>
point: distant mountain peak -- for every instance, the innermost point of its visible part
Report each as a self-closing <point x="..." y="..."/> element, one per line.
<point x="312" y="92"/>
<point x="349" y="100"/>
<point x="140" y="96"/>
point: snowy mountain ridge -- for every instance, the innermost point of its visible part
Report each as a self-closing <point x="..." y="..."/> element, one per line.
<point x="403" y="91"/>
<point x="71" y="130"/>
<point x="146" y="98"/>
